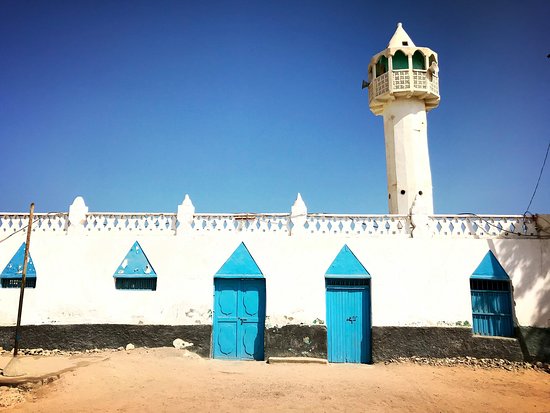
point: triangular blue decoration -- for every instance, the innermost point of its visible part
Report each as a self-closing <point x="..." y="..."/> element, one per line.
<point x="346" y="265"/>
<point x="14" y="269"/>
<point x="490" y="269"/>
<point x="135" y="264"/>
<point x="240" y="265"/>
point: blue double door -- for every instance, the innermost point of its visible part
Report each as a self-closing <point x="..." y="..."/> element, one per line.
<point x="348" y="320"/>
<point x="239" y="318"/>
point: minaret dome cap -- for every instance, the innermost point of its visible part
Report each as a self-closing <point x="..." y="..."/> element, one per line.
<point x="400" y="38"/>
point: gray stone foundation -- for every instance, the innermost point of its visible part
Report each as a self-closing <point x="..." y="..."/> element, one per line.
<point x="296" y="340"/>
<point x="393" y="342"/>
<point x="533" y="344"/>
<point x="88" y="336"/>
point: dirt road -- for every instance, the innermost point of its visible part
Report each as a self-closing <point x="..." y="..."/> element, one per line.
<point x="164" y="380"/>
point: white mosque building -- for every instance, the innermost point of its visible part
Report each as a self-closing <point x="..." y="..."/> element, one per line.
<point x="349" y="288"/>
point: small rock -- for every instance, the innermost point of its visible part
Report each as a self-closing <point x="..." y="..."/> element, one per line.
<point x="120" y="348"/>
<point x="49" y="380"/>
<point x="181" y="344"/>
<point x="130" y="346"/>
<point x="28" y="386"/>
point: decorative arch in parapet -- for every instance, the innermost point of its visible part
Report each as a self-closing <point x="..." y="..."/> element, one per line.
<point x="419" y="60"/>
<point x="240" y="265"/>
<point x="400" y="60"/>
<point x="346" y="265"/>
<point x="382" y="65"/>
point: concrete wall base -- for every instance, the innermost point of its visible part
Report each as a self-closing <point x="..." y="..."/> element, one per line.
<point x="393" y="342"/>
<point x="296" y="340"/>
<point x="533" y="343"/>
<point x="88" y="336"/>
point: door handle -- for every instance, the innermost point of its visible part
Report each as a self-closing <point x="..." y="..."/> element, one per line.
<point x="243" y="320"/>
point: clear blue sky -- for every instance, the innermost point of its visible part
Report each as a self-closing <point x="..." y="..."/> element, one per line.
<point x="132" y="104"/>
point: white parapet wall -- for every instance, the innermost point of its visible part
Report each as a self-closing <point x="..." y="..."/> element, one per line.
<point x="415" y="280"/>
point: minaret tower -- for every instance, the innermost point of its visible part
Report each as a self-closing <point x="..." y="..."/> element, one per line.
<point x="403" y="86"/>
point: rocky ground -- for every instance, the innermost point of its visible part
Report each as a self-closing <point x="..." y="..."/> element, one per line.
<point x="10" y="396"/>
<point x="430" y="361"/>
<point x="474" y="363"/>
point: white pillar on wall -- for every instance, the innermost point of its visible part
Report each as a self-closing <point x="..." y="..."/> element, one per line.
<point x="298" y="215"/>
<point x="420" y="219"/>
<point x="186" y="211"/>
<point x="77" y="215"/>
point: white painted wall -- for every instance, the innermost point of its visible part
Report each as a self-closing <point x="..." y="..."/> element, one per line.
<point x="407" y="159"/>
<point x="415" y="282"/>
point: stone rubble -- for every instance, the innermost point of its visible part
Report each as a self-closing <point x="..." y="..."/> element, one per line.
<point x="448" y="361"/>
<point x="10" y="396"/>
<point x="474" y="363"/>
<point x="57" y="352"/>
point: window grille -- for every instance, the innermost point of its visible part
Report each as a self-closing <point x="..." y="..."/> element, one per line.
<point x="489" y="285"/>
<point x="347" y="282"/>
<point x="16" y="282"/>
<point x="142" y="283"/>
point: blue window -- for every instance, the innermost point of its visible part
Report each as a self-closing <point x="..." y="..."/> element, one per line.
<point x="491" y="299"/>
<point x="12" y="275"/>
<point x="135" y="271"/>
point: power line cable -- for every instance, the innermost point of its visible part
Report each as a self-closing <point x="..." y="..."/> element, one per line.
<point x="23" y="228"/>
<point x="538" y="236"/>
<point x="538" y="180"/>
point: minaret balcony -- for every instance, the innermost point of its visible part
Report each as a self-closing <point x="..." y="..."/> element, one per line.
<point x="406" y="83"/>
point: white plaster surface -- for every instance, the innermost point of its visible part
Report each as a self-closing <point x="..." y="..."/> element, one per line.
<point x="415" y="281"/>
<point x="407" y="158"/>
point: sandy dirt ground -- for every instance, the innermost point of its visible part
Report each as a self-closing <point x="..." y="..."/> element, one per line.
<point x="170" y="380"/>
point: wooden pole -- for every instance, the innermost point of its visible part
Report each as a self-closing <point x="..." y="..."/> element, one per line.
<point x="23" y="281"/>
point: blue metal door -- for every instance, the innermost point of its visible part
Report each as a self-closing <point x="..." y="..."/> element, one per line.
<point x="348" y="320"/>
<point x="492" y="308"/>
<point x="239" y="318"/>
